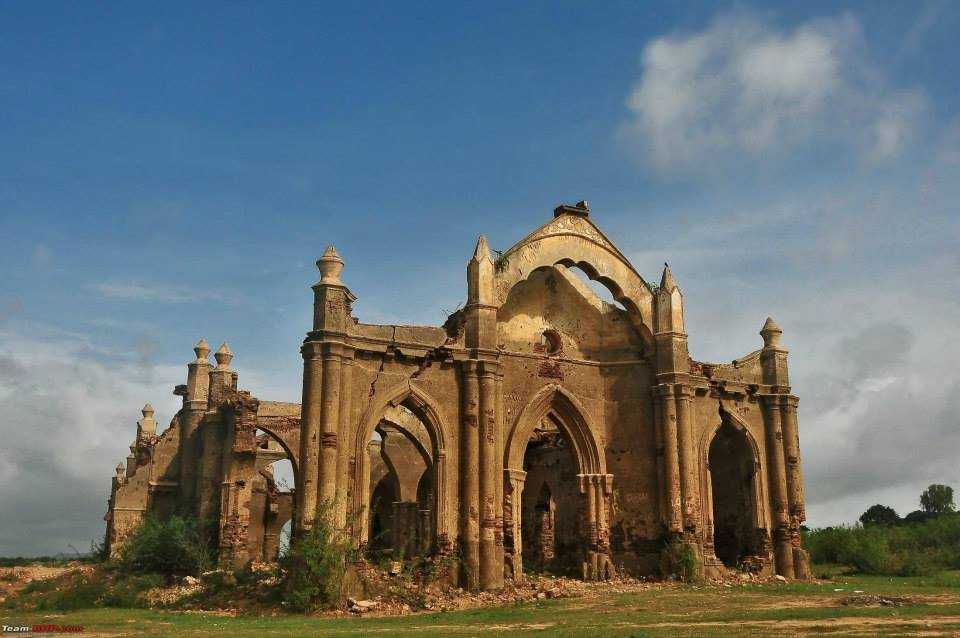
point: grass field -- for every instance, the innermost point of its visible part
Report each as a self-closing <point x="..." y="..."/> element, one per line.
<point x="931" y="607"/>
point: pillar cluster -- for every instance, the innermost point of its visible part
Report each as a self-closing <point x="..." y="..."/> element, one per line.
<point x="783" y="457"/>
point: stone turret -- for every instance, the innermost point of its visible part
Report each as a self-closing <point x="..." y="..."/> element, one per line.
<point x="671" y="338"/>
<point x="773" y="357"/>
<point x="222" y="377"/>
<point x="196" y="395"/>
<point x="480" y="313"/>
<point x="147" y="426"/>
<point x="332" y="300"/>
<point x="198" y="374"/>
<point x="327" y="368"/>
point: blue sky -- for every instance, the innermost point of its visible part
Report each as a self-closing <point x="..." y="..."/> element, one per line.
<point x="173" y="172"/>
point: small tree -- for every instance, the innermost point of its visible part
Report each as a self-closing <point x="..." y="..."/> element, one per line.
<point x="315" y="564"/>
<point x="937" y="499"/>
<point x="879" y="515"/>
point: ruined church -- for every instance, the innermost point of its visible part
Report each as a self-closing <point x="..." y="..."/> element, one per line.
<point x="539" y="429"/>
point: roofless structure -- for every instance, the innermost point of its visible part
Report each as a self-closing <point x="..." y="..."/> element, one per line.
<point x="540" y="428"/>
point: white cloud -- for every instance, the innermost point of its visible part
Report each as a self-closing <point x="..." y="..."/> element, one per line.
<point x="745" y="87"/>
<point x="862" y="274"/>
<point x="69" y="412"/>
<point x="140" y="292"/>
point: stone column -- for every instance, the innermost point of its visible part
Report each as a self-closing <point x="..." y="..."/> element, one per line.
<point x="589" y="487"/>
<point x="688" y="464"/>
<point x="346" y="423"/>
<point x="491" y="552"/>
<point x="671" y="459"/>
<point x="470" y="477"/>
<point x="512" y="514"/>
<point x="795" y="495"/>
<point x="783" y="552"/>
<point x="662" y="507"/>
<point x="791" y="448"/>
<point x="307" y="490"/>
<point x="329" y="427"/>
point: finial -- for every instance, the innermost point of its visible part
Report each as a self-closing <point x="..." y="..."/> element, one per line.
<point x="330" y="265"/>
<point x="202" y="349"/>
<point x="223" y="356"/>
<point x="120" y="470"/>
<point x="667" y="283"/>
<point x="482" y="251"/>
<point x="771" y="333"/>
<point x="580" y="209"/>
<point x="148" y="425"/>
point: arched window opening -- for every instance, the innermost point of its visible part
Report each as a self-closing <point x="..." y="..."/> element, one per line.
<point x="272" y="500"/>
<point x="597" y="287"/>
<point x="551" y="343"/>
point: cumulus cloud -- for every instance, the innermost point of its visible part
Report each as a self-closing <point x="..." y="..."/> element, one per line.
<point x="746" y="87"/>
<point x="69" y="413"/>
<point x="864" y="277"/>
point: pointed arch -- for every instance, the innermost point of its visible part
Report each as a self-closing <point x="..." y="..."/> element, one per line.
<point x="427" y="409"/>
<point x="573" y="421"/>
<point x="706" y="488"/>
<point x="574" y="241"/>
<point x="288" y="449"/>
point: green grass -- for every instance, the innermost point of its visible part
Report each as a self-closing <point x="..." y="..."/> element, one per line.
<point x="753" y="609"/>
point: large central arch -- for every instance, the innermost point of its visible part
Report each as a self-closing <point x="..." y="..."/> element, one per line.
<point x="587" y="452"/>
<point x="594" y="482"/>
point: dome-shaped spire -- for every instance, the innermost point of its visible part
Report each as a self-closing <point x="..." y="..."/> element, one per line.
<point x="330" y="266"/>
<point x="202" y="349"/>
<point x="223" y="356"/>
<point x="147" y="410"/>
<point x="771" y="333"/>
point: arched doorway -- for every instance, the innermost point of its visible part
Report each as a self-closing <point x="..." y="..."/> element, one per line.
<point x="402" y="438"/>
<point x="552" y="529"/>
<point x="555" y="490"/>
<point x="733" y="476"/>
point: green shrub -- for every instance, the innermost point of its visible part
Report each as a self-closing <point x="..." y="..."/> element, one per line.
<point x="315" y="565"/>
<point x="174" y="547"/>
<point x="909" y="549"/>
<point x="79" y="590"/>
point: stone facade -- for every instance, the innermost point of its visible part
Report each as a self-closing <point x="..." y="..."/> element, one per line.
<point x="539" y="428"/>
